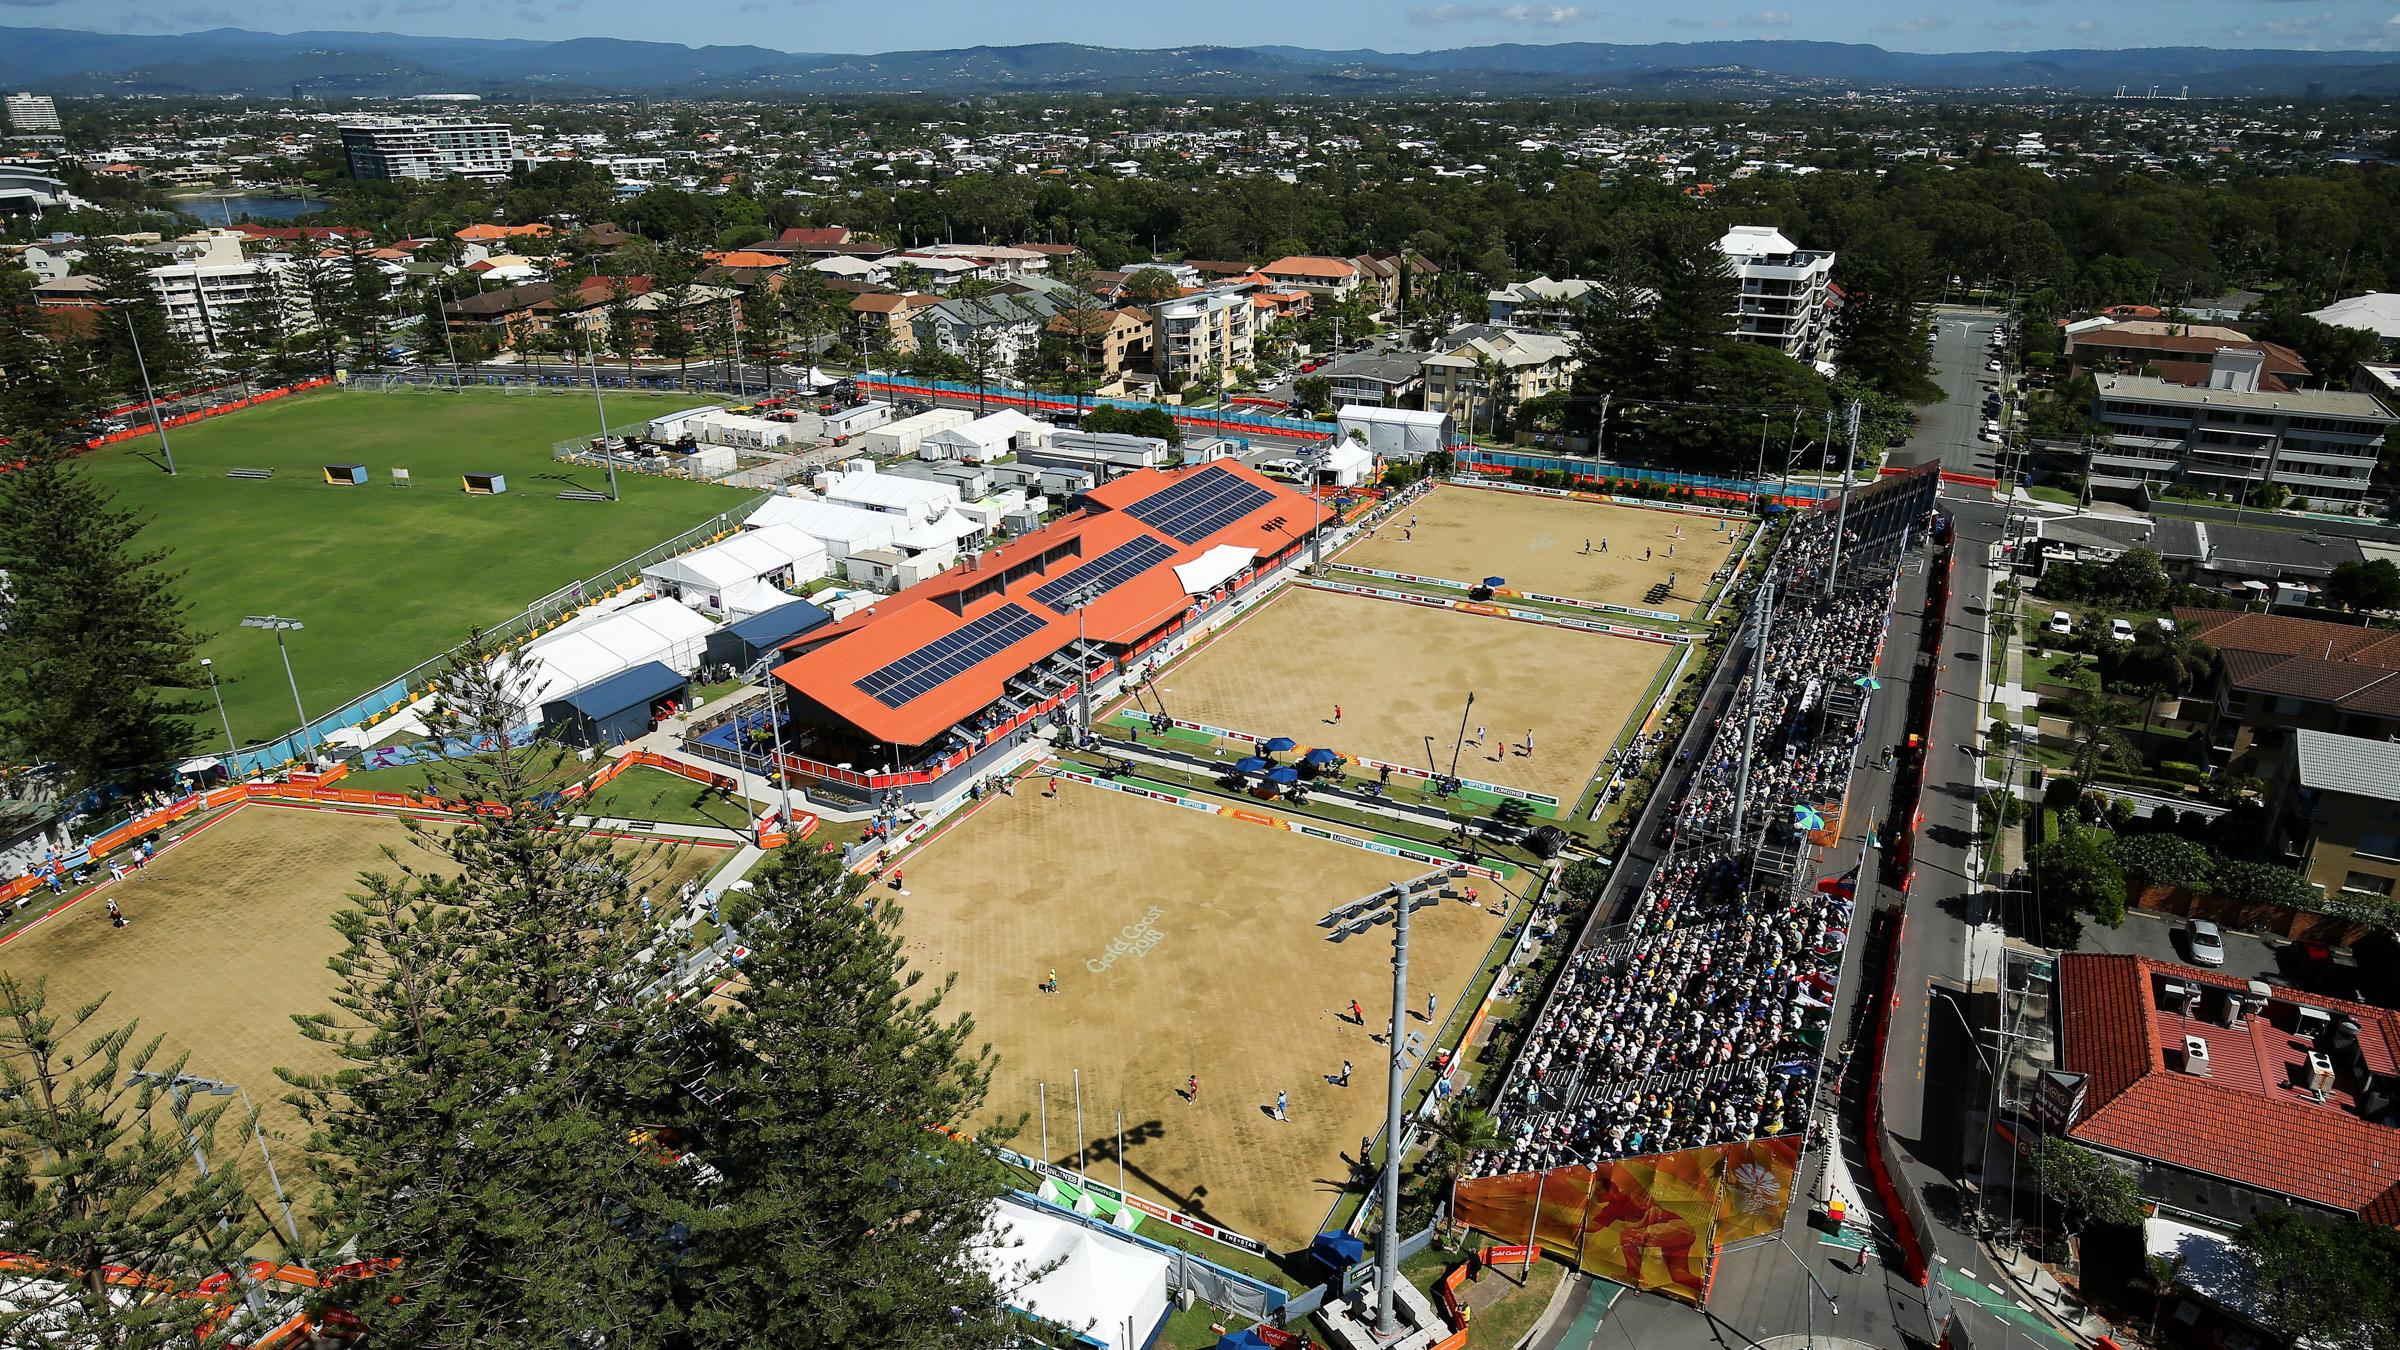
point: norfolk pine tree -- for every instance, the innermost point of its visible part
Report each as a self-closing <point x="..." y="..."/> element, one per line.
<point x="509" y="1115"/>
<point x="847" y="1217"/>
<point x="94" y="645"/>
<point x="497" y="1074"/>
<point x="95" y="1173"/>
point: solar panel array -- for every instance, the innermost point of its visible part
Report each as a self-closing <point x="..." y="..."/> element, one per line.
<point x="938" y="662"/>
<point x="1104" y="573"/>
<point x="1200" y="505"/>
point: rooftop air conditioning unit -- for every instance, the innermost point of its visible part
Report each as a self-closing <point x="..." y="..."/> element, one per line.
<point x="2231" y="1012"/>
<point x="2312" y="1024"/>
<point x="2320" y="1074"/>
<point x="2176" y="995"/>
<point x="2256" y="997"/>
<point x="2195" y="1056"/>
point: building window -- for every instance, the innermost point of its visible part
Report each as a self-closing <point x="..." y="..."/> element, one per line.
<point x="2378" y="844"/>
<point x="2367" y="883"/>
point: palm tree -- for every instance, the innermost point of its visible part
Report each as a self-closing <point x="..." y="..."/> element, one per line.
<point x="2164" y="1272"/>
<point x="2097" y="723"/>
<point x="1457" y="1136"/>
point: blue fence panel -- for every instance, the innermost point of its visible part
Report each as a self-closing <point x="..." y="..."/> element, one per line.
<point x="1669" y="477"/>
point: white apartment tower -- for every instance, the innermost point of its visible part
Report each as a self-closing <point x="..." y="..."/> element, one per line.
<point x="1786" y="291"/>
<point x="210" y="279"/>
<point x="391" y="148"/>
<point x="32" y="112"/>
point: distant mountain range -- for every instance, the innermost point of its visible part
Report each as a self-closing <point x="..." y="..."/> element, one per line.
<point x="237" y="61"/>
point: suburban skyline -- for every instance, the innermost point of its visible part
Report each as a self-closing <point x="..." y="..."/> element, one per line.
<point x="816" y="26"/>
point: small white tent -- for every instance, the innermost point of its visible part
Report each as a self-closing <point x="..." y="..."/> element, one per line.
<point x="1111" y="1290"/>
<point x="1346" y="464"/>
<point x="578" y="657"/>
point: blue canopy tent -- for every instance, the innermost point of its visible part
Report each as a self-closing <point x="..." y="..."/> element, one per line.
<point x="617" y="709"/>
<point x="1250" y="764"/>
<point x="1495" y="583"/>
<point x="739" y="644"/>
<point x="1283" y="774"/>
<point x="1279" y="744"/>
<point x="1336" y="1252"/>
<point x="1321" y="757"/>
<point x="1241" y="1340"/>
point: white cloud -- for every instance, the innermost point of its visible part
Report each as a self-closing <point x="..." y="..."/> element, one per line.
<point x="1514" y="15"/>
<point x="1767" y="18"/>
<point x="2009" y="25"/>
<point x="2085" y="26"/>
<point x="1930" y="23"/>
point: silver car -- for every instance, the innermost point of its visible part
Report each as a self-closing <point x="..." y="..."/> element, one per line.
<point x="2208" y="943"/>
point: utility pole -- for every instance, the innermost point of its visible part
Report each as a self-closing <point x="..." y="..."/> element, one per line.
<point x="1387" y="1259"/>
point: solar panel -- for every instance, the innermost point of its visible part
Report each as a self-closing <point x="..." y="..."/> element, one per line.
<point x="1199" y="505"/>
<point x="1104" y="573"/>
<point x="938" y="662"/>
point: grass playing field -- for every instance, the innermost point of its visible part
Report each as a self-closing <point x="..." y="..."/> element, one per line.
<point x="1402" y="673"/>
<point x="229" y="937"/>
<point x="1467" y="534"/>
<point x="1236" y="986"/>
<point x="384" y="577"/>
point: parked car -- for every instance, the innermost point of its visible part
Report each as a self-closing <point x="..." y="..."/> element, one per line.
<point x="1993" y="364"/>
<point x="2166" y="626"/>
<point x="1287" y="469"/>
<point x="2208" y="943"/>
<point x="2061" y="622"/>
<point x="2121" y="630"/>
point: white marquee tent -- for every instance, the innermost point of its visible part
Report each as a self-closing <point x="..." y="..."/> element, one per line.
<point x="845" y="531"/>
<point x="575" y="658"/>
<point x="1111" y="1290"/>
<point x="705" y="577"/>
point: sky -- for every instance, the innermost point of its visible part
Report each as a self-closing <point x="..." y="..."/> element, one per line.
<point x="1386" y="25"/>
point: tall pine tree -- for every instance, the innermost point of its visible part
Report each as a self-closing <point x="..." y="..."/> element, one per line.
<point x="94" y="645"/>
<point x="95" y="1173"/>
<point x="847" y="1217"/>
<point x="499" y="1076"/>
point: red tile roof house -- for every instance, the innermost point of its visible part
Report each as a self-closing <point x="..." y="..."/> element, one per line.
<point x="2295" y="1105"/>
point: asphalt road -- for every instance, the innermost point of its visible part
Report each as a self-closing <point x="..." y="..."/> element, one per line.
<point x="1947" y="430"/>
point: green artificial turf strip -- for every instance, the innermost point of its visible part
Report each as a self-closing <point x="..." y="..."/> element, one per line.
<point x="384" y="577"/>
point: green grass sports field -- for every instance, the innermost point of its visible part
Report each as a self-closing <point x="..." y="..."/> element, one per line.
<point x="383" y="576"/>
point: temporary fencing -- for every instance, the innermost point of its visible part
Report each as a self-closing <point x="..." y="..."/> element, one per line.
<point x="1427" y="855"/>
<point x="1494" y="611"/>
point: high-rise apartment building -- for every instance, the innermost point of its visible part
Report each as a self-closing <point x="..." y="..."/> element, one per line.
<point x="391" y="148"/>
<point x="1786" y="297"/>
<point x="32" y="112"/>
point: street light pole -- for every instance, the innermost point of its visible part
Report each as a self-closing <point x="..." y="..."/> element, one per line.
<point x="782" y="779"/>
<point x="157" y="423"/>
<point x="602" y="404"/>
<point x="1387" y="1259"/>
<point x="282" y="1201"/>
<point x="209" y="667"/>
<point x="279" y="624"/>
<point x="1083" y="669"/>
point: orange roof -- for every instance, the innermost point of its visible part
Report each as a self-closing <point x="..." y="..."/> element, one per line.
<point x="741" y="257"/>
<point x="1303" y="265"/>
<point x="842" y="655"/>
<point x="878" y="303"/>
<point x="478" y="233"/>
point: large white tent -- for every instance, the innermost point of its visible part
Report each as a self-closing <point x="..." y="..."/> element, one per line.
<point x="704" y="577"/>
<point x="1112" y="1290"/>
<point x="574" y="658"/>
<point x="845" y="531"/>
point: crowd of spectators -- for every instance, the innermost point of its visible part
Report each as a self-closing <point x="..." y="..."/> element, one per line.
<point x="1702" y="1021"/>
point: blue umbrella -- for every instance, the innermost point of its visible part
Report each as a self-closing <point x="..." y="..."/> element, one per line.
<point x="1495" y="582"/>
<point x="1868" y="682"/>
<point x="1808" y="818"/>
<point x="1321" y="755"/>
<point x="1249" y="764"/>
<point x="1280" y="744"/>
<point x="1284" y="773"/>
